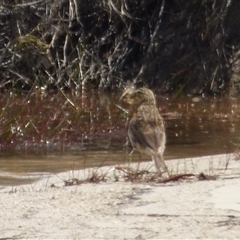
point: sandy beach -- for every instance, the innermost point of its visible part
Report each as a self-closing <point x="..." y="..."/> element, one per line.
<point x="190" y="208"/>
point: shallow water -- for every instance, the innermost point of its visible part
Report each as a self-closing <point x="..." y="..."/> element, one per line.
<point x="51" y="134"/>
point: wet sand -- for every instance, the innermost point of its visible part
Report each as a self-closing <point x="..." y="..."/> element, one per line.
<point x="186" y="209"/>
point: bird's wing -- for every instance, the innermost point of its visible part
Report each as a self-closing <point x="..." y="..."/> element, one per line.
<point x="146" y="129"/>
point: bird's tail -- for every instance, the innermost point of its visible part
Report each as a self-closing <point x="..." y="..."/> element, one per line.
<point x="160" y="163"/>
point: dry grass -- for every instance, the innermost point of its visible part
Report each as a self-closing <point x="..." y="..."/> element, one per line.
<point x="137" y="175"/>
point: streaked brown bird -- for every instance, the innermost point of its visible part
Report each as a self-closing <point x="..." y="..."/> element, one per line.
<point x="146" y="130"/>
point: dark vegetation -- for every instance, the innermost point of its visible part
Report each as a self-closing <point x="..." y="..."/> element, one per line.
<point x="172" y="45"/>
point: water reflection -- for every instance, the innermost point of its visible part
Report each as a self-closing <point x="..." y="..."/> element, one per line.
<point x="54" y="133"/>
<point x="208" y="126"/>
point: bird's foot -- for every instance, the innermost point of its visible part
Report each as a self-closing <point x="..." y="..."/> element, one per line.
<point x="164" y="173"/>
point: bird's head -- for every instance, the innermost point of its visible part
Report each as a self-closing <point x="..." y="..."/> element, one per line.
<point x="136" y="97"/>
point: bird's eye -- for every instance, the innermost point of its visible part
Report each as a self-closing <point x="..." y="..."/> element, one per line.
<point x="140" y="93"/>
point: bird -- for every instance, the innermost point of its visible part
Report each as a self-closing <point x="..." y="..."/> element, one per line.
<point x="146" y="130"/>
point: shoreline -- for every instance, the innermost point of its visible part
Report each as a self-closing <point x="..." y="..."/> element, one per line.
<point x="189" y="208"/>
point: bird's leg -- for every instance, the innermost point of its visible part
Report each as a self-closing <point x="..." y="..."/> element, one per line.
<point x="165" y="172"/>
<point x="140" y="159"/>
<point x="130" y="157"/>
<point x="160" y="165"/>
<point x="164" y="166"/>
